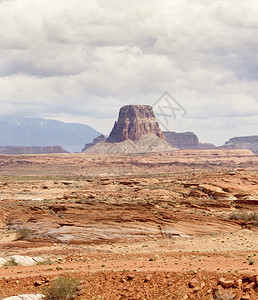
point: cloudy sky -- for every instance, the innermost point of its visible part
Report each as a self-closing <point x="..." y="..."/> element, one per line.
<point x="81" y="60"/>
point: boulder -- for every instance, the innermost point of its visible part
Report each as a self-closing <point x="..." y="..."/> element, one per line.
<point x="226" y="283"/>
<point x="194" y="283"/>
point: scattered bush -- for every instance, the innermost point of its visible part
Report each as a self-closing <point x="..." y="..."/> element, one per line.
<point x="244" y="215"/>
<point x="221" y="294"/>
<point x="11" y="262"/>
<point x="46" y="261"/>
<point x="250" y="261"/>
<point x="24" y="234"/>
<point x="62" y="288"/>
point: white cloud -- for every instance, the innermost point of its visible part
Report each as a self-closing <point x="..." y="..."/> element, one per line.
<point x="81" y="60"/>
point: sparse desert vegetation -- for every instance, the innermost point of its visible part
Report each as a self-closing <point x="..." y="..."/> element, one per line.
<point x="24" y="233"/>
<point x="61" y="288"/>
<point x="11" y="262"/>
<point x="245" y="216"/>
<point x="131" y="227"/>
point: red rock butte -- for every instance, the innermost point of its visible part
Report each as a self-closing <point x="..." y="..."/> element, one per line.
<point x="134" y="122"/>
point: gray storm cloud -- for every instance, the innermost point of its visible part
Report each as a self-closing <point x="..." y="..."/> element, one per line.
<point x="81" y="60"/>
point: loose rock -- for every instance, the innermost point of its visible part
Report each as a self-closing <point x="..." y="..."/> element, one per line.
<point x="148" y="277"/>
<point x="246" y="297"/>
<point x="226" y="283"/>
<point x="238" y="283"/>
<point x="193" y="283"/>
<point x="249" y="287"/>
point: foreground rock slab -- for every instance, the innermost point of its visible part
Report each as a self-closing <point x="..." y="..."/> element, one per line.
<point x="26" y="297"/>
<point x="21" y="260"/>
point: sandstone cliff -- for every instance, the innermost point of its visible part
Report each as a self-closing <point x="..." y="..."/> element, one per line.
<point x="134" y="122"/>
<point x="136" y="131"/>
<point x="185" y="140"/>
<point x="244" y="142"/>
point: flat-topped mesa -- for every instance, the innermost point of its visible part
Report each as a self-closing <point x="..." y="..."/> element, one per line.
<point x="31" y="149"/>
<point x="134" y="122"/>
<point x="243" y="142"/>
<point x="185" y="140"/>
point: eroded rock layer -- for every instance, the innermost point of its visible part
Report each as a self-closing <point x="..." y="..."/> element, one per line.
<point x="31" y="149"/>
<point x="185" y="140"/>
<point x="134" y="122"/>
<point x="244" y="142"/>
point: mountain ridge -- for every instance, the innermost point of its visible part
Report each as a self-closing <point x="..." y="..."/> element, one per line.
<point x="24" y="131"/>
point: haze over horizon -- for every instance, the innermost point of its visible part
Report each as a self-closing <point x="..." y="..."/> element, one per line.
<point x="80" y="61"/>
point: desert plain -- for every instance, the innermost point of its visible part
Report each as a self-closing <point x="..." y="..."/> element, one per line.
<point x="174" y="225"/>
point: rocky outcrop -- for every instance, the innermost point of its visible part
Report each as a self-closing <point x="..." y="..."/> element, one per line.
<point x="136" y="131"/>
<point x="205" y="146"/>
<point x="185" y="140"/>
<point x="244" y="142"/>
<point x="147" y="143"/>
<point x="26" y="297"/>
<point x="31" y="149"/>
<point x="21" y="260"/>
<point x="134" y="122"/>
<point x="95" y="141"/>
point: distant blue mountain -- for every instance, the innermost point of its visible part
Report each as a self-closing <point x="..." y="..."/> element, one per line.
<point x="17" y="131"/>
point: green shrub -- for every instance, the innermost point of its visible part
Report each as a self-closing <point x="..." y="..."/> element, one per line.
<point x="24" y="234"/>
<point x="244" y="215"/>
<point x="250" y="261"/>
<point x="11" y="262"/>
<point x="46" y="261"/>
<point x="61" y="288"/>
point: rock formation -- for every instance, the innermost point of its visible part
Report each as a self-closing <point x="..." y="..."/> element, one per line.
<point x="134" y="122"/>
<point x="206" y="146"/>
<point x="147" y="143"/>
<point x="136" y="131"/>
<point x="31" y="149"/>
<point x="244" y="142"/>
<point x="95" y="141"/>
<point x="185" y="140"/>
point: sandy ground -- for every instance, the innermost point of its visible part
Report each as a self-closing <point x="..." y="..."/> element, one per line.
<point x="132" y="236"/>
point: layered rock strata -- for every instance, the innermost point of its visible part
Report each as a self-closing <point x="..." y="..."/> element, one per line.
<point x="185" y="140"/>
<point x="31" y="149"/>
<point x="134" y="122"/>
<point x="243" y="142"/>
<point x="136" y="131"/>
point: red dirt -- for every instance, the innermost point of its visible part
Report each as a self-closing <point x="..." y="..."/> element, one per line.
<point x="168" y="225"/>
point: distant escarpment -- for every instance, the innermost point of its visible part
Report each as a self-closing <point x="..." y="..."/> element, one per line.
<point x="31" y="149"/>
<point x="136" y="131"/>
<point x="243" y="142"/>
<point x="134" y="122"/>
<point x="185" y="140"/>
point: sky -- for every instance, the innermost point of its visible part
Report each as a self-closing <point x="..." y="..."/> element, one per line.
<point x="81" y="60"/>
